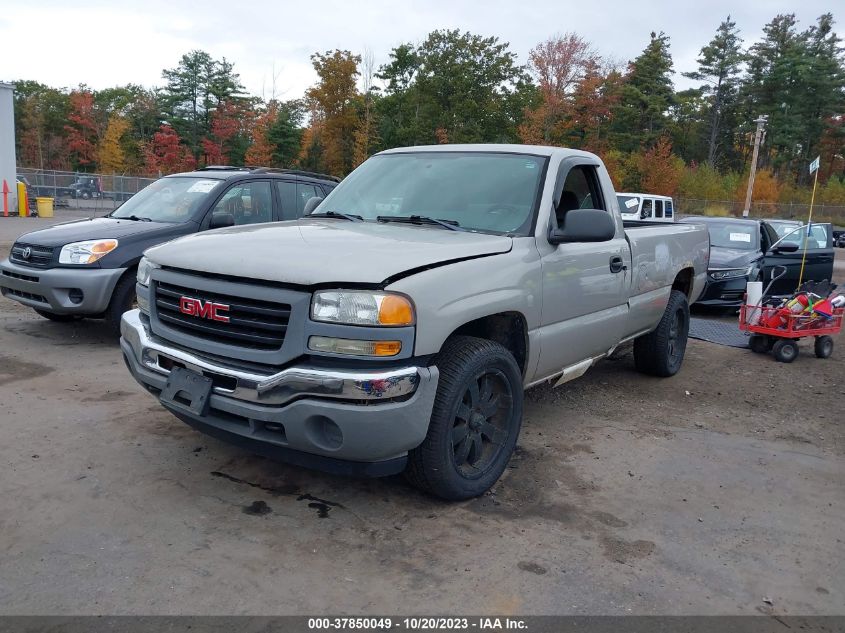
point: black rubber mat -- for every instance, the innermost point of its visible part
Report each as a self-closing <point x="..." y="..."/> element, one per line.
<point x="720" y="332"/>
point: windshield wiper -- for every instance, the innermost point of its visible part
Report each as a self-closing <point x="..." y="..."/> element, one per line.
<point x="452" y="225"/>
<point x="337" y="214"/>
<point x="134" y="218"/>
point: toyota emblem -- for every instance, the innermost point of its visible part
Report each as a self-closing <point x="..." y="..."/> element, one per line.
<point x="26" y="252"/>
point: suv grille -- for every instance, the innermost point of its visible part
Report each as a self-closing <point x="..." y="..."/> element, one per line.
<point x="39" y="256"/>
<point x="252" y="323"/>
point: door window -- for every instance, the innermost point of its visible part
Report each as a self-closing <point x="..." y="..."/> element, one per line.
<point x="304" y="192"/>
<point x="648" y="209"/>
<point x="668" y="210"/>
<point x="247" y="203"/>
<point x="658" y="208"/>
<point x="580" y="191"/>
<point x="287" y="195"/>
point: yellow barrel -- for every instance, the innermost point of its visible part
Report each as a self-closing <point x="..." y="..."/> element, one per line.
<point x="45" y="207"/>
<point x="23" y="203"/>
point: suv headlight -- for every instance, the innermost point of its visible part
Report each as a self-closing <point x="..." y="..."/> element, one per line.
<point x="362" y="307"/>
<point x="732" y="273"/>
<point x="86" y="252"/>
<point x="145" y="269"/>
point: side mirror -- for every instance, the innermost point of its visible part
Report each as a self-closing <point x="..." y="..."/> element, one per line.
<point x="585" y="225"/>
<point x="786" y="247"/>
<point x="221" y="220"/>
<point x="311" y="204"/>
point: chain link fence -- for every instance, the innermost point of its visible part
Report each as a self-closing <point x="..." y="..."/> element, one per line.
<point x="82" y="190"/>
<point x="835" y="214"/>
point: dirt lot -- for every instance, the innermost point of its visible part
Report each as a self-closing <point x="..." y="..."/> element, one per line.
<point x="717" y="491"/>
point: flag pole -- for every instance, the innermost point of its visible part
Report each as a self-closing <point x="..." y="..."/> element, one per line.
<point x="809" y="224"/>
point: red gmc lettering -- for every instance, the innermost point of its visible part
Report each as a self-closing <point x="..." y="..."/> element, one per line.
<point x="203" y="309"/>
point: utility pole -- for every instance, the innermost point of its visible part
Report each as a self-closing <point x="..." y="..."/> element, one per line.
<point x="758" y="137"/>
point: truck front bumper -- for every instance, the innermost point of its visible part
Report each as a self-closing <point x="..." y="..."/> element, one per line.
<point x="60" y="290"/>
<point x="354" y="422"/>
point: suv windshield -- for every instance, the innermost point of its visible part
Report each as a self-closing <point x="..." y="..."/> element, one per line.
<point x="174" y="199"/>
<point x="628" y="204"/>
<point x="486" y="192"/>
<point x="740" y="235"/>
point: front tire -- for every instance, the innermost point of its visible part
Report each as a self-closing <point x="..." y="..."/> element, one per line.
<point x="785" y="350"/>
<point x="661" y="352"/>
<point x="122" y="299"/>
<point x="475" y="421"/>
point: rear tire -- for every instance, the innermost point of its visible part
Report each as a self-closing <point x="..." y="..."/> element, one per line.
<point x="661" y="352"/>
<point x="475" y="421"/>
<point x="785" y="350"/>
<point x="823" y="346"/>
<point x="58" y="318"/>
<point x="760" y="343"/>
<point x="122" y="299"/>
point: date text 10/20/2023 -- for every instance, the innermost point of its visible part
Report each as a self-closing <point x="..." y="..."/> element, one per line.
<point x="416" y="624"/>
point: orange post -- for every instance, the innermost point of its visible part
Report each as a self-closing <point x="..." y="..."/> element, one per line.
<point x="5" y="199"/>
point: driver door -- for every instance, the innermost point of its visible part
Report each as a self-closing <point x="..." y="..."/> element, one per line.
<point x="584" y="284"/>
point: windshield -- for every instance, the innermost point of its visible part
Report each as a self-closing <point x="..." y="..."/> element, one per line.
<point x="487" y="192"/>
<point x="168" y="199"/>
<point x="736" y="235"/>
<point x="628" y="204"/>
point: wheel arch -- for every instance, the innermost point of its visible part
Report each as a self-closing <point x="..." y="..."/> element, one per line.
<point x="509" y="329"/>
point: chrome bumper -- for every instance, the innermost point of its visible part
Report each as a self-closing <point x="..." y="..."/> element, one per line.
<point x="277" y="388"/>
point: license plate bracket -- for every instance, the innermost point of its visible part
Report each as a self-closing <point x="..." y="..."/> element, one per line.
<point x="188" y="390"/>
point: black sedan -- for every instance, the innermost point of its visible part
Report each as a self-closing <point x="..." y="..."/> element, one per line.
<point x="743" y="250"/>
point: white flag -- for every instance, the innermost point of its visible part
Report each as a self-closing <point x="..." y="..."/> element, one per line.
<point x="814" y="166"/>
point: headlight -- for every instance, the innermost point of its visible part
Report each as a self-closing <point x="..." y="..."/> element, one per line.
<point x="86" y="252"/>
<point x="145" y="269"/>
<point x="732" y="273"/>
<point x="361" y="307"/>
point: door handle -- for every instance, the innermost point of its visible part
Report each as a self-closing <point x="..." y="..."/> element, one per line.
<point x="617" y="265"/>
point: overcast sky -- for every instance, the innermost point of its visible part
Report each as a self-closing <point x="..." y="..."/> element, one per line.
<point x="107" y="43"/>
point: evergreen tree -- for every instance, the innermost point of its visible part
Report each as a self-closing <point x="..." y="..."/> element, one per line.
<point x="719" y="67"/>
<point x="641" y="115"/>
<point x="193" y="92"/>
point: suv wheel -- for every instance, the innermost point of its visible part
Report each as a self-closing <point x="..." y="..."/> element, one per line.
<point x="122" y="299"/>
<point x="475" y="421"/>
<point x="661" y="352"/>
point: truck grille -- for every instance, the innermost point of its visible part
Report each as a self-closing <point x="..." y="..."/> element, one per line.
<point x="39" y="256"/>
<point x="252" y="323"/>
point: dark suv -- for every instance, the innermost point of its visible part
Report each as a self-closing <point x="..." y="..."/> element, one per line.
<point x="87" y="268"/>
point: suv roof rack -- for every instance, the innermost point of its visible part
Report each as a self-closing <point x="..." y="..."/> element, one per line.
<point x="294" y="172"/>
<point x="222" y="168"/>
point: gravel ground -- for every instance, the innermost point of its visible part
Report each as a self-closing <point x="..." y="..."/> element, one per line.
<point x="716" y="491"/>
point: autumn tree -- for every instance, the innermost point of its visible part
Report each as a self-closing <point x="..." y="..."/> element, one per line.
<point x="228" y="137"/>
<point x="111" y="157"/>
<point x="558" y="65"/>
<point x="334" y="100"/>
<point x="165" y="154"/>
<point x="82" y="136"/>
<point x="260" y="151"/>
<point x="660" y="170"/>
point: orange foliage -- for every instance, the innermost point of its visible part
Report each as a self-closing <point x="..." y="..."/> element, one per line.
<point x="660" y="170"/>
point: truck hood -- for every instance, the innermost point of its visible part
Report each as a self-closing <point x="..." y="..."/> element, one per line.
<point x="92" y="229"/>
<point x="731" y="257"/>
<point x="321" y="251"/>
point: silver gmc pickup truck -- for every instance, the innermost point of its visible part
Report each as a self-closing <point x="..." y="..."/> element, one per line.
<point x="396" y="326"/>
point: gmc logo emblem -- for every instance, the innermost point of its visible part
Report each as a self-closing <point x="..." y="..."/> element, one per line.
<point x="203" y="309"/>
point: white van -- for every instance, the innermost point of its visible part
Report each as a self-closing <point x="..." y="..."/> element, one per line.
<point x="646" y="207"/>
